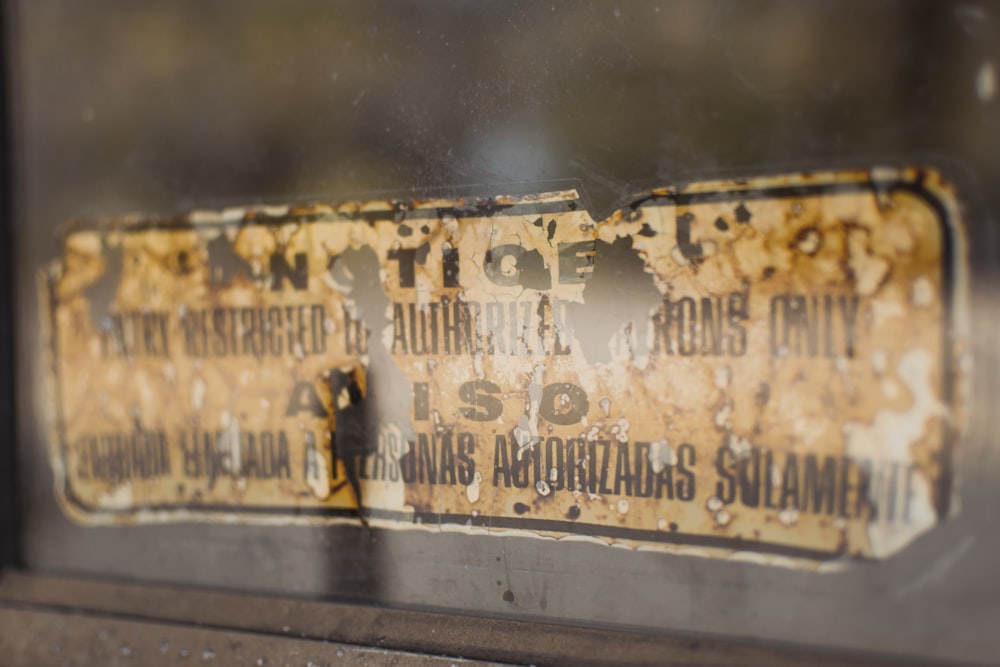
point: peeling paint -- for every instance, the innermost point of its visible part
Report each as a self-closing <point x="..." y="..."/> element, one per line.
<point x="730" y="370"/>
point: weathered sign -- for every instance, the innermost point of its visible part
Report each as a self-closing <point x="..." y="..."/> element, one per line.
<point x="765" y="367"/>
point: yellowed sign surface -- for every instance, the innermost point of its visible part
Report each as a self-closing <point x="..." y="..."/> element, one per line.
<point x="766" y="367"/>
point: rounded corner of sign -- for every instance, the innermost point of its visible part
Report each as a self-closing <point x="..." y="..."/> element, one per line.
<point x="933" y="185"/>
<point x="74" y="508"/>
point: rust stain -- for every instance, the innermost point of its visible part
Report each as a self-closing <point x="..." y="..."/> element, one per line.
<point x="770" y="367"/>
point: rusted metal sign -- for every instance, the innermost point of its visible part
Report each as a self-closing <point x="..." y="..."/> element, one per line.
<point x="768" y="368"/>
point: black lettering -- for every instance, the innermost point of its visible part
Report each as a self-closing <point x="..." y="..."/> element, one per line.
<point x="862" y="501"/>
<point x="665" y="482"/>
<point x="466" y="462"/>
<point x="495" y="320"/>
<point x="426" y="458"/>
<point x="690" y="251"/>
<point x="519" y="466"/>
<point x="576" y="472"/>
<point x="849" y="315"/>
<point x="687" y="323"/>
<point x="555" y="463"/>
<point x="892" y="492"/>
<point x="769" y="480"/>
<point x="252" y="466"/>
<point x="398" y="329"/>
<point x="418" y="345"/>
<point x="844" y="487"/>
<point x="501" y="462"/>
<point x="377" y="460"/>
<point x="790" y="483"/>
<point x="908" y="493"/>
<point x="392" y="444"/>
<point x="642" y="481"/>
<point x="355" y="340"/>
<point x="446" y="469"/>
<point x="828" y="335"/>
<point x="797" y="327"/>
<point x="408" y="463"/>
<point x="563" y="403"/>
<point x="224" y="263"/>
<point x="305" y="398"/>
<point x="317" y="321"/>
<point x="623" y="470"/>
<point x="725" y="488"/>
<point x="592" y="466"/>
<point x="777" y="303"/>
<point x="407" y="259"/>
<point x="525" y="267"/>
<point x="449" y="266"/>
<point x="310" y="458"/>
<point x="685" y="465"/>
<point x="749" y="486"/>
<point x="281" y="271"/>
<point x="480" y="395"/>
<point x="711" y="326"/>
<point x="820" y="486"/>
<point x="605" y="460"/>
<point x="738" y="313"/>
<point x="283" y="464"/>
<point x="248" y="325"/>
<point x="456" y="336"/>
<point x="663" y="321"/>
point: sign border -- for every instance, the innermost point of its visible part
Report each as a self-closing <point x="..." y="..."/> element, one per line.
<point x="913" y="181"/>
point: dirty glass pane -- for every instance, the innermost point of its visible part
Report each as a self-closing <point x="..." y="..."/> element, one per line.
<point x="168" y="107"/>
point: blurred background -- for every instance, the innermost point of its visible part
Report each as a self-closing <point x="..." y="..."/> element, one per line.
<point x="161" y="106"/>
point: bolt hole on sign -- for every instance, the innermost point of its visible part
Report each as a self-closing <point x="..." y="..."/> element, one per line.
<point x="768" y="369"/>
